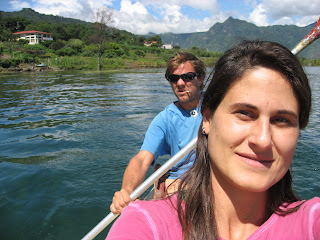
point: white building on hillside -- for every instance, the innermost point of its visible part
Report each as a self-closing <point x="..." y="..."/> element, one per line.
<point x="34" y="37"/>
<point x="167" y="46"/>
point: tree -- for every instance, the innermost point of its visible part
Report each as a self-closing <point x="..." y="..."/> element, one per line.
<point x="156" y="38"/>
<point x="60" y="31"/>
<point x="76" y="44"/>
<point x="15" y="24"/>
<point x="103" y="18"/>
<point x="1" y="48"/>
<point x="113" y="50"/>
<point x="9" y="25"/>
<point x="58" y="44"/>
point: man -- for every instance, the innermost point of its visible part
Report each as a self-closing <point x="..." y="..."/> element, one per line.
<point x="171" y="130"/>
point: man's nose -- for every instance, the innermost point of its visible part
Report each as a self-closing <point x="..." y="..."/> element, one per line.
<point x="180" y="82"/>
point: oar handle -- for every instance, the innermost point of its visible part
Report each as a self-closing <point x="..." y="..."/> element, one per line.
<point x="313" y="35"/>
<point x="143" y="187"/>
<point x="163" y="169"/>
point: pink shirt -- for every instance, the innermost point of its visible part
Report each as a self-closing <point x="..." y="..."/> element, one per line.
<point x="159" y="220"/>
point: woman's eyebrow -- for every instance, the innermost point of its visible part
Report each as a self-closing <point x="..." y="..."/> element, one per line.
<point x="288" y="112"/>
<point x="247" y="105"/>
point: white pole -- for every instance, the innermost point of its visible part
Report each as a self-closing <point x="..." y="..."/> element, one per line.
<point x="143" y="187"/>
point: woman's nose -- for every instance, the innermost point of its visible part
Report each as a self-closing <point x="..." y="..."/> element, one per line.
<point x="261" y="134"/>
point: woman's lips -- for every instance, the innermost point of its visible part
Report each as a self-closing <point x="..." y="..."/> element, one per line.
<point x="256" y="160"/>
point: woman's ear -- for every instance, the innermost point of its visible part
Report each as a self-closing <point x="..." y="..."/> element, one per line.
<point x="206" y="120"/>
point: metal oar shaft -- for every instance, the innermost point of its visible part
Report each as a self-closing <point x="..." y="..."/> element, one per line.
<point x="163" y="169"/>
<point x="143" y="187"/>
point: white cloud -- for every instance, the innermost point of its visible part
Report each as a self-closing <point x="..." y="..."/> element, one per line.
<point x="283" y="21"/>
<point x="136" y="17"/>
<point x="284" y="12"/>
<point x="17" y="4"/>
<point x="259" y="16"/>
<point x="159" y="16"/>
<point x="307" y="20"/>
<point x="209" y="5"/>
<point x="79" y="9"/>
<point x="132" y="9"/>
<point x="291" y="8"/>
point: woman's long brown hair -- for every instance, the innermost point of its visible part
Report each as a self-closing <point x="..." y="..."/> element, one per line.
<point x="197" y="214"/>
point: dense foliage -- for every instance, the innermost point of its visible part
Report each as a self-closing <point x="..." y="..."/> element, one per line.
<point x="61" y="28"/>
<point x="74" y="46"/>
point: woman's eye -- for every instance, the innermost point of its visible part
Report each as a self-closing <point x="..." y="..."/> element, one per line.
<point x="245" y="114"/>
<point x="280" y="120"/>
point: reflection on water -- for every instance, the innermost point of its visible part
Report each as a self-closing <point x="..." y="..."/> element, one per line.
<point x="66" y="138"/>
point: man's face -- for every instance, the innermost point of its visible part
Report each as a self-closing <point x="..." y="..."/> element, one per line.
<point x="189" y="92"/>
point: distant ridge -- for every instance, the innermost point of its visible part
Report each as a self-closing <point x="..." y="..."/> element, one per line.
<point x="35" y="17"/>
<point x="219" y="38"/>
<point x="222" y="36"/>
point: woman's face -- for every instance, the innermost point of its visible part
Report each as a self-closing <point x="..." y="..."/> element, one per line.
<point x="254" y="131"/>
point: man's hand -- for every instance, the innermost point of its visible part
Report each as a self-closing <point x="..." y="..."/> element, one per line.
<point x="120" y="200"/>
<point x="133" y="176"/>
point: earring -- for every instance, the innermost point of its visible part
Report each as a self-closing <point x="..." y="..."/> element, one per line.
<point x="203" y="131"/>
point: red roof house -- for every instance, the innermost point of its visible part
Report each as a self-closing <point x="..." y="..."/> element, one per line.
<point x="34" y="37"/>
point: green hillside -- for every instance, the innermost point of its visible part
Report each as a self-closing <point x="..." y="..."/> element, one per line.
<point x="36" y="17"/>
<point x="64" y="28"/>
<point x="218" y="38"/>
<point x="222" y="36"/>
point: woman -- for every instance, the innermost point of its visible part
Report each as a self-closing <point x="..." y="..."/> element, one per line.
<point x="240" y="185"/>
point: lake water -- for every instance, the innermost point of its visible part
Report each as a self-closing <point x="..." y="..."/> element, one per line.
<point x="66" y="138"/>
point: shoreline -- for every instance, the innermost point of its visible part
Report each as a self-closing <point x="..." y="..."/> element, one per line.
<point x="29" y="68"/>
<point x="35" y="69"/>
<point x="25" y="67"/>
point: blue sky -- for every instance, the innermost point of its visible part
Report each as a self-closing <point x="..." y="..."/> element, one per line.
<point x="177" y="16"/>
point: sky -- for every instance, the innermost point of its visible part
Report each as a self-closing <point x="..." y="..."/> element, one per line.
<point x="177" y="16"/>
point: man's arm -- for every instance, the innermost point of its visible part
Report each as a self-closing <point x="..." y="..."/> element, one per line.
<point x="133" y="176"/>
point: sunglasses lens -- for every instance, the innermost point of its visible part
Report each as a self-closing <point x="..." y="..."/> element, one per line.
<point x="185" y="77"/>
<point x="173" y="77"/>
<point x="188" y="76"/>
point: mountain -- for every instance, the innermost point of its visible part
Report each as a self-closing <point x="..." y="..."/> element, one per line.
<point x="222" y="36"/>
<point x="219" y="38"/>
<point x="67" y="28"/>
<point x="36" y="17"/>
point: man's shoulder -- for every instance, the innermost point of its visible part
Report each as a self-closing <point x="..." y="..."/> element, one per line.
<point x="169" y="110"/>
<point x="171" y="107"/>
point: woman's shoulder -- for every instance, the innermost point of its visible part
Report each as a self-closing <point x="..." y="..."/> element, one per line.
<point x="313" y="203"/>
<point x="308" y="212"/>
<point x="148" y="220"/>
<point x="301" y="224"/>
<point x="304" y="203"/>
<point x="306" y="220"/>
<point x="165" y="206"/>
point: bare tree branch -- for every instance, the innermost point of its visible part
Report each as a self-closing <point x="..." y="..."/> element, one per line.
<point x="103" y="18"/>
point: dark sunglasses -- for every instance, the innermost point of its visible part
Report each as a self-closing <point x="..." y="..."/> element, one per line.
<point x="186" y="77"/>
